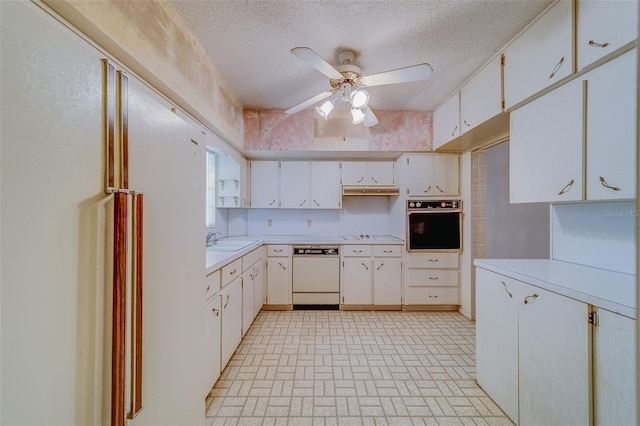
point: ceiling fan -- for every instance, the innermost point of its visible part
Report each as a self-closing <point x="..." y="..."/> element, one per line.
<point x="349" y="85"/>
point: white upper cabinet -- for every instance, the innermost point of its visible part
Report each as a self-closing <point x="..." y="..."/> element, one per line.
<point x="481" y="97"/>
<point x="432" y="174"/>
<point x="244" y="183"/>
<point x="264" y="184"/>
<point x="604" y="26"/>
<point x="446" y="121"/>
<point x="540" y="56"/>
<point x="611" y="129"/>
<point x="368" y="173"/>
<point x="294" y="185"/>
<point x="229" y="181"/>
<point x="326" y="191"/>
<point x="546" y="147"/>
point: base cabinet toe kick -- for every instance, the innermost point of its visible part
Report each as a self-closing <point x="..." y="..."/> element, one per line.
<point x="547" y="357"/>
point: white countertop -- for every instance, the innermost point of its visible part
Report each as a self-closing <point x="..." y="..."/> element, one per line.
<point x="613" y="291"/>
<point x="217" y="259"/>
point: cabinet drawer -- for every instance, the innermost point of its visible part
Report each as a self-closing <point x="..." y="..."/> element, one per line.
<point x="433" y="260"/>
<point x="278" y="250"/>
<point x="431" y="296"/>
<point x="387" y="251"/>
<point x="212" y="284"/>
<point x="356" y="250"/>
<point x="432" y="277"/>
<point x="231" y="271"/>
<point x="251" y="258"/>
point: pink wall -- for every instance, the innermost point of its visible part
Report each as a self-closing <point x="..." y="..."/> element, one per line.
<point x="305" y="131"/>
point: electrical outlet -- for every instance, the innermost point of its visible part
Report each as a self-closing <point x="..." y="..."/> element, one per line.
<point x="269" y="223"/>
<point x="309" y="223"/>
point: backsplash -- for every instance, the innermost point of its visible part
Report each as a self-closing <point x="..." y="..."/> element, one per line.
<point x="404" y="131"/>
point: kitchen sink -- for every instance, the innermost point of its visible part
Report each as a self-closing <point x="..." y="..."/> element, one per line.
<point x="230" y="245"/>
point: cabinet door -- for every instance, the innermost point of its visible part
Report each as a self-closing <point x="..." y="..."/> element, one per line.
<point x="540" y="56"/>
<point x="481" y="97"/>
<point x="326" y="190"/>
<point x="387" y="281"/>
<point x="356" y="281"/>
<point x="611" y="129"/>
<point x="260" y="293"/>
<point x="446" y="121"/>
<point x="279" y="281"/>
<point x="264" y="184"/>
<point x="294" y="185"/>
<point x="213" y="340"/>
<point x="614" y="359"/>
<point x="380" y="173"/>
<point x="546" y="147"/>
<point x="604" y="26"/>
<point x="420" y="174"/>
<point x="445" y="175"/>
<point x="354" y="172"/>
<point x="497" y="338"/>
<point x="554" y="359"/>
<point x="248" y="300"/>
<point x="231" y="320"/>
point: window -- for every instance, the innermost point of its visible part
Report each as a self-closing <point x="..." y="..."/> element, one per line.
<point x="211" y="188"/>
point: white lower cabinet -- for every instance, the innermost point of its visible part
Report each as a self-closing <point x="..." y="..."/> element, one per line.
<point x="356" y="281"/>
<point x="279" y="278"/>
<point x="260" y="293"/>
<point x="231" y="334"/>
<point x="431" y="279"/>
<point x="542" y="361"/>
<point x="248" y="300"/>
<point x="387" y="281"/>
<point x="614" y="358"/>
<point x="213" y="323"/>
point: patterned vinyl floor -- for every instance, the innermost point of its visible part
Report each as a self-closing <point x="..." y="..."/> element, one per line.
<point x="354" y="368"/>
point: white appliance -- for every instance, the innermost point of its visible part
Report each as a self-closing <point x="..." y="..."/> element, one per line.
<point x="57" y="238"/>
<point x="316" y="277"/>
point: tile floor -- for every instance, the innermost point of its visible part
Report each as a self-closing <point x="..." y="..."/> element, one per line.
<point x="354" y="368"/>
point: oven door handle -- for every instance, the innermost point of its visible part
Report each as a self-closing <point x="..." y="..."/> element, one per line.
<point x="429" y="211"/>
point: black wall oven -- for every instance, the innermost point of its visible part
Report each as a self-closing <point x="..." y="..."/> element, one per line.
<point x="434" y="225"/>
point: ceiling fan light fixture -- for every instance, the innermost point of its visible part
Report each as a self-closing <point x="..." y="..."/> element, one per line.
<point x="370" y="119"/>
<point x="359" y="98"/>
<point x="324" y="109"/>
<point x="357" y="115"/>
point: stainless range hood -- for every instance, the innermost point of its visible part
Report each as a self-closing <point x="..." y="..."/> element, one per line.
<point x="350" y="190"/>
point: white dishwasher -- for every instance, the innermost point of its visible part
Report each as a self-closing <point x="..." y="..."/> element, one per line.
<point x="316" y="277"/>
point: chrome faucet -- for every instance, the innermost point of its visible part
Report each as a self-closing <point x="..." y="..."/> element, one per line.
<point x="213" y="236"/>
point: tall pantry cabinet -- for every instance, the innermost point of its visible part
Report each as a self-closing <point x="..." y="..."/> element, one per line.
<point x="56" y="228"/>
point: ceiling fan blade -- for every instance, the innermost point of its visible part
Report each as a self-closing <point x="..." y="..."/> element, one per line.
<point x="309" y="102"/>
<point x="312" y="58"/>
<point x="401" y="75"/>
<point x="370" y="120"/>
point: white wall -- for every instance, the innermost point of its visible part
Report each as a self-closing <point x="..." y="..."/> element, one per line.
<point x="359" y="215"/>
<point x="467" y="286"/>
<point x="595" y="234"/>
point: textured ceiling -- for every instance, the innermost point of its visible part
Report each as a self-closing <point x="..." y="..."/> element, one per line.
<point x="249" y="42"/>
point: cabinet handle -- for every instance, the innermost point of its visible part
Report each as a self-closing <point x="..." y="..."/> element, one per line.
<point x="356" y="251"/>
<point x="361" y="179"/>
<point x="374" y="179"/>
<point x="433" y="296"/>
<point x="532" y="297"/>
<point x="454" y="131"/>
<point x="466" y="124"/>
<point x="208" y="288"/>
<point x="440" y="189"/>
<point x="316" y="203"/>
<point x="433" y="278"/>
<point x="277" y="250"/>
<point x="225" y="305"/>
<point x="387" y="251"/>
<point x="606" y="185"/>
<point x="232" y="272"/>
<point x="428" y="189"/>
<point x="215" y="311"/>
<point x="433" y="260"/>
<point x="256" y="275"/>
<point x="594" y="44"/>
<point x="506" y="289"/>
<point x="302" y="203"/>
<point x="271" y="203"/>
<point x="281" y="265"/>
<point x="365" y="266"/>
<point x="557" y="67"/>
<point x="381" y="265"/>
<point x="566" y="188"/>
